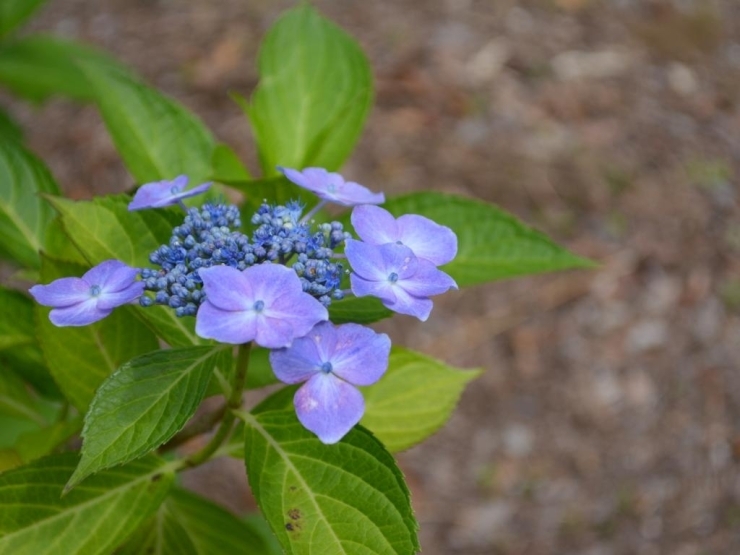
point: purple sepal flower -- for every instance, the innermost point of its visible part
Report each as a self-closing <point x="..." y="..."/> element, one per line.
<point x="264" y="303"/>
<point x="427" y="239"/>
<point x="164" y="193"/>
<point x="82" y="301"/>
<point x="332" y="360"/>
<point x="332" y="187"/>
<point x="399" y="279"/>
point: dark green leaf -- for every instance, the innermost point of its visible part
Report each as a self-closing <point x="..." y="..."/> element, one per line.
<point x="364" y="310"/>
<point x="15" y="400"/>
<point x="39" y="66"/>
<point x="156" y="136"/>
<point x="27" y="361"/>
<point x="413" y="399"/>
<point x="80" y="358"/>
<point x="187" y="524"/>
<point x="23" y="214"/>
<point x="36" y="520"/>
<point x="104" y="228"/>
<point x="314" y="94"/>
<point x="492" y="244"/>
<point x="348" y="498"/>
<point x="16" y="319"/>
<point x="39" y="443"/>
<point x="142" y="405"/>
<point x="9" y="129"/>
<point x="15" y="12"/>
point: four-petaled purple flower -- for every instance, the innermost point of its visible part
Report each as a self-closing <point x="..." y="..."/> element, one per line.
<point x="264" y="303"/>
<point x="164" y="193"/>
<point x="427" y="239"/>
<point x="82" y="301"/>
<point x="332" y="187"/>
<point x="332" y="360"/>
<point x="399" y="279"/>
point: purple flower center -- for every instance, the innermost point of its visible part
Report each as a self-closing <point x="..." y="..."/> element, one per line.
<point x="175" y="189"/>
<point x="326" y="367"/>
<point x="393" y="277"/>
<point x="95" y="290"/>
<point x="259" y="306"/>
<point x="331" y="188"/>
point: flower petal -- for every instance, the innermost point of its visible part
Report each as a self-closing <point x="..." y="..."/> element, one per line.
<point x="227" y="288"/>
<point x="384" y="290"/>
<point x="157" y="194"/>
<point x="299" y="309"/>
<point x="366" y="260"/>
<point x="81" y="314"/>
<point x="111" y="276"/>
<point x="108" y="301"/>
<point x="360" y="355"/>
<point x="313" y="179"/>
<point x="269" y="282"/>
<point x="328" y="407"/>
<point x="374" y="225"/>
<point x="427" y="281"/>
<point x="274" y="333"/>
<point x="429" y="240"/>
<point x="413" y="306"/>
<point x="332" y="187"/>
<point x="227" y="326"/>
<point x="352" y="194"/>
<point x="63" y="292"/>
<point x="202" y="188"/>
<point x="297" y="363"/>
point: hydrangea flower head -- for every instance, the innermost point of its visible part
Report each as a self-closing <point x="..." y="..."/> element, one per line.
<point x="399" y="279"/>
<point x="82" y="301"/>
<point x="331" y="361"/>
<point x="332" y="187"/>
<point x="427" y="239"/>
<point x="164" y="193"/>
<point x="264" y="303"/>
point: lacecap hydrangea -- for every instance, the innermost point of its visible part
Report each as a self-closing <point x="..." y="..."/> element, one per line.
<point x="272" y="286"/>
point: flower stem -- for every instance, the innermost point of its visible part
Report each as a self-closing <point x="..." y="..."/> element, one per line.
<point x="313" y="211"/>
<point x="232" y="403"/>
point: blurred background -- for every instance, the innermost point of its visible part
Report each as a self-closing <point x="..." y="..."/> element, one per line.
<point x="607" y="421"/>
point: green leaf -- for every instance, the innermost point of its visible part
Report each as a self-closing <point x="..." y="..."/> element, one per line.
<point x="413" y="399"/>
<point x="314" y="94"/>
<point x="36" y="520"/>
<point x="362" y="310"/>
<point x="15" y="400"/>
<point x="187" y="524"/>
<point x="260" y="371"/>
<point x="80" y="358"/>
<point x="348" y="498"/>
<point x="35" y="444"/>
<point x="23" y="214"/>
<point x="156" y="136"/>
<point x="15" y="12"/>
<point x="142" y="405"/>
<point x="9" y="129"/>
<point x="16" y="319"/>
<point x="27" y="361"/>
<point x="492" y="244"/>
<point x="226" y="166"/>
<point x="39" y="66"/>
<point x="104" y="228"/>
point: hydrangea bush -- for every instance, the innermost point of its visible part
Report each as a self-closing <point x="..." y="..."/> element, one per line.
<point x="146" y="304"/>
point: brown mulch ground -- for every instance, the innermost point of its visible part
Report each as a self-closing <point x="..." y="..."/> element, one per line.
<point x="608" y="419"/>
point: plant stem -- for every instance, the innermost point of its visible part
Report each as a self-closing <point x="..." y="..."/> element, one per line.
<point x="201" y="425"/>
<point x="232" y="403"/>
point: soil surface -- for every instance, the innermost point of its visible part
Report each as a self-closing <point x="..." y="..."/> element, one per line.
<point x="607" y="421"/>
